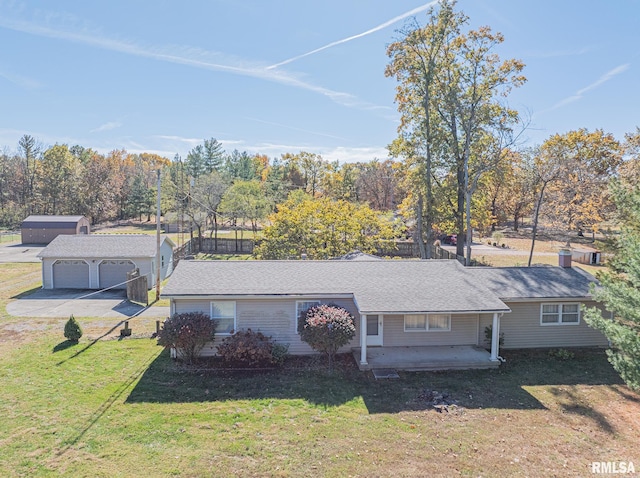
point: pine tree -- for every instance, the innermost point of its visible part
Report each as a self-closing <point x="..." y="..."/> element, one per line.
<point x="72" y="330"/>
<point x="620" y="291"/>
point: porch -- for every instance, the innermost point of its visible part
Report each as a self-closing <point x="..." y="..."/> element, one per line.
<point x="428" y="358"/>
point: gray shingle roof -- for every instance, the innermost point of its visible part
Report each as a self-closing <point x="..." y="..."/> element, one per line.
<point x="384" y="286"/>
<point x="51" y="221"/>
<point x="101" y="246"/>
<point x="535" y="282"/>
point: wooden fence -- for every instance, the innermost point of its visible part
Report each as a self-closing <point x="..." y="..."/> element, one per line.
<point x="137" y="287"/>
<point x="405" y="249"/>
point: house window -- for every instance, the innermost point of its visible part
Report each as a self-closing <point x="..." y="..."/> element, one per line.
<point x="162" y="261"/>
<point x="427" y="322"/>
<point x="224" y="312"/>
<point x="560" y="314"/>
<point x="303" y="306"/>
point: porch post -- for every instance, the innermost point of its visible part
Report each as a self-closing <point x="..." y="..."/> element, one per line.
<point x="363" y="339"/>
<point x="495" y="337"/>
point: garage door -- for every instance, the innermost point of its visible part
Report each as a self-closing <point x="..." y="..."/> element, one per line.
<point x="71" y="275"/>
<point x="115" y="272"/>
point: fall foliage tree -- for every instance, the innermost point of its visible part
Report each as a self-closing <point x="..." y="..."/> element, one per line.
<point x="449" y="97"/>
<point x="322" y="228"/>
<point x="580" y="200"/>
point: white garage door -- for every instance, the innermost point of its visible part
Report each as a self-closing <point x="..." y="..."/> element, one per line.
<point x="70" y="274"/>
<point x="114" y="273"/>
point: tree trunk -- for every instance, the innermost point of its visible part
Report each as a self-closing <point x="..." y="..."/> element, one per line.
<point x="460" y="210"/>
<point x="419" y="238"/>
<point x="535" y="222"/>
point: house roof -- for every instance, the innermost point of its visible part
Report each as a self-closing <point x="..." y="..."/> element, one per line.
<point x="51" y="221"/>
<point x="542" y="282"/>
<point x="102" y="246"/>
<point x="384" y="286"/>
<point x="356" y="256"/>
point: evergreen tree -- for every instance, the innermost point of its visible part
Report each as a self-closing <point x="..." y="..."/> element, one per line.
<point x="620" y="291"/>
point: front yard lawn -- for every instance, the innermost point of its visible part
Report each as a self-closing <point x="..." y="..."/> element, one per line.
<point x="124" y="408"/>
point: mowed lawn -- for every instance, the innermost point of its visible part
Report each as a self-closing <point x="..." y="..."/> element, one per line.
<point x="108" y="407"/>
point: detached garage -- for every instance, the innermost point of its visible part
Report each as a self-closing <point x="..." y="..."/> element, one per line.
<point x="44" y="229"/>
<point x="103" y="261"/>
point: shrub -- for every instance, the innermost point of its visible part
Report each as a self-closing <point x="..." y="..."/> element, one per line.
<point x="72" y="330"/>
<point x="251" y="349"/>
<point x="326" y="328"/>
<point x="279" y="353"/>
<point x="188" y="333"/>
<point x="488" y="335"/>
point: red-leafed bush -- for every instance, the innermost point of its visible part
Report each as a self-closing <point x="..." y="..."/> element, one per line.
<point x="188" y="333"/>
<point x="251" y="349"/>
<point x="326" y="328"/>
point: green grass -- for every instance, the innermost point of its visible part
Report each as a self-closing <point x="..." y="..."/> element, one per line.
<point x="140" y="414"/>
<point x="9" y="237"/>
<point x="122" y="408"/>
<point x="224" y="257"/>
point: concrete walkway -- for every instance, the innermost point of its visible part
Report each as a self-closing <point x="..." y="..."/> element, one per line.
<point x="81" y="303"/>
<point x="443" y="357"/>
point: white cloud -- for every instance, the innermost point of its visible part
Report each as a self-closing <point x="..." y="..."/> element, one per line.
<point x="355" y="37"/>
<point x="106" y="127"/>
<point x="343" y="154"/>
<point x="21" y="81"/>
<point x="578" y="95"/>
<point x="604" y="78"/>
<point x="194" y="57"/>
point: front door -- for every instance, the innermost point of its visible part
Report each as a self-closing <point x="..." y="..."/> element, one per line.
<point x="374" y="330"/>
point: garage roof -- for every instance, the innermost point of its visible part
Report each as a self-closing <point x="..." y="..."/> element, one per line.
<point x="93" y="246"/>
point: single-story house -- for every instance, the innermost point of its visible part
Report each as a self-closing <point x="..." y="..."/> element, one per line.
<point x="102" y="261"/>
<point x="44" y="229"/>
<point x="398" y="304"/>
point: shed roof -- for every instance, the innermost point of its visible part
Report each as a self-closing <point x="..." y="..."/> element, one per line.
<point x="542" y="282"/>
<point x="51" y="221"/>
<point x="383" y="286"/>
<point x="83" y="246"/>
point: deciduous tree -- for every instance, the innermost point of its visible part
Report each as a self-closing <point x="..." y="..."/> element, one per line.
<point x="322" y="228"/>
<point x="451" y="85"/>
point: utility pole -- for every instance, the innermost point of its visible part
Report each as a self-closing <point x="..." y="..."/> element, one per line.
<point x="158" y="268"/>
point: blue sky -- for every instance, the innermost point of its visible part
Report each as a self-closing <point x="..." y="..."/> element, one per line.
<point x="276" y="76"/>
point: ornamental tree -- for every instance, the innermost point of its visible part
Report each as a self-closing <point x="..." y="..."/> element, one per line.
<point x="187" y="333"/>
<point x="326" y="328"/>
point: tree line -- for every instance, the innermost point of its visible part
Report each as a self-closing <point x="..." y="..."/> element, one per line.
<point x="456" y="166"/>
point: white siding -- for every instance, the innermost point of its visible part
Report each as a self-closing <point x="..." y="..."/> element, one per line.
<point x="272" y="317"/>
<point x="522" y="329"/>
<point x="464" y="330"/>
<point x="143" y="263"/>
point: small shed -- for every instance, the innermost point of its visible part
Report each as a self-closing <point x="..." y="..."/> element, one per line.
<point x="586" y="255"/>
<point x="102" y="261"/>
<point x="44" y="229"/>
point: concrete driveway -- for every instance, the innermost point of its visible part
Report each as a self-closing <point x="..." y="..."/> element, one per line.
<point x="16" y="252"/>
<point x="81" y="303"/>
